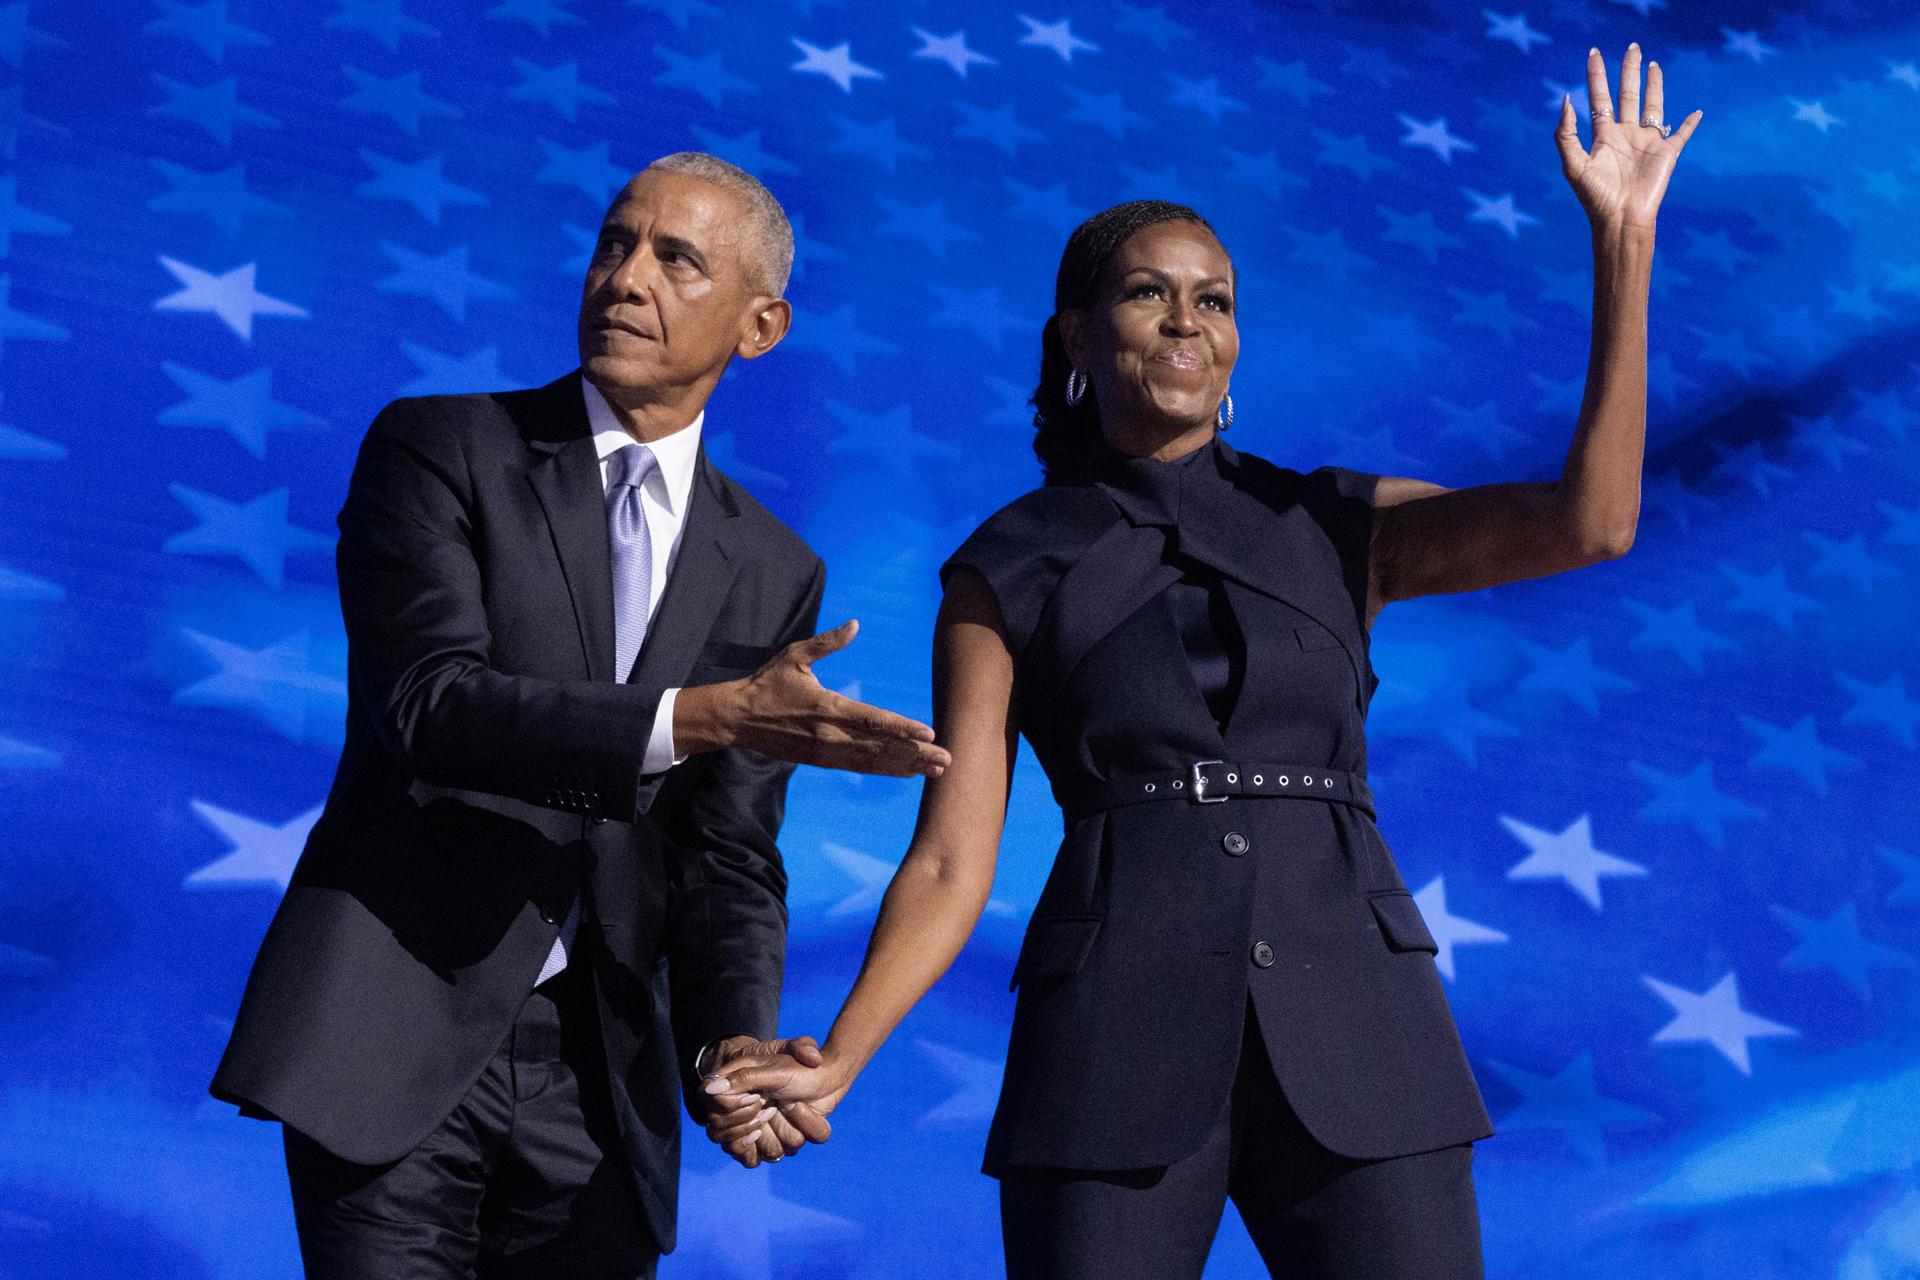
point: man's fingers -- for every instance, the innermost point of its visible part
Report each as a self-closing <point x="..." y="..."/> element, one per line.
<point x="746" y="1151"/>
<point x="812" y="1125"/>
<point x="805" y="1050"/>
<point x="814" y="648"/>
<point x="783" y="1131"/>
<point x="861" y="720"/>
<point x="728" y="1134"/>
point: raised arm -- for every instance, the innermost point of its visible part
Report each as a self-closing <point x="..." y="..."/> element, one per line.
<point x="942" y="884"/>
<point x="1429" y="540"/>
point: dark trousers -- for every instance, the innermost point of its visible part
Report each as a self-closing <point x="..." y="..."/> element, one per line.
<point x="1312" y="1214"/>
<point x="524" y="1179"/>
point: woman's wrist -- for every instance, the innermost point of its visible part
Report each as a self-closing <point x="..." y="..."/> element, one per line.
<point x="1618" y="235"/>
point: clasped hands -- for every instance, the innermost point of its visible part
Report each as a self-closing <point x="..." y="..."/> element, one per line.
<point x="768" y="1098"/>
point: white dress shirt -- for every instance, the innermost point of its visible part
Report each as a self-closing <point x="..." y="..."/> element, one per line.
<point x="663" y="499"/>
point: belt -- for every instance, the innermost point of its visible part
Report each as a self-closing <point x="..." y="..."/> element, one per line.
<point x="1217" y="781"/>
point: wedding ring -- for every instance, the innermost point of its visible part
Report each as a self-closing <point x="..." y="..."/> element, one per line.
<point x="1648" y="122"/>
<point x="1602" y="113"/>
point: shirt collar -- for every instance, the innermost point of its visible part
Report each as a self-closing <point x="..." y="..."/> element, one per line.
<point x="675" y="455"/>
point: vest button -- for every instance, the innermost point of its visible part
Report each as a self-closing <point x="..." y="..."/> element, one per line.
<point x="1262" y="956"/>
<point x="1234" y="843"/>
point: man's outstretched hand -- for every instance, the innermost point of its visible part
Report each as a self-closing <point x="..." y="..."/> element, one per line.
<point x="744" y="1125"/>
<point x="782" y="711"/>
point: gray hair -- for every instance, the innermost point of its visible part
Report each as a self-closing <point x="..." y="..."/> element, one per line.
<point x="769" y="237"/>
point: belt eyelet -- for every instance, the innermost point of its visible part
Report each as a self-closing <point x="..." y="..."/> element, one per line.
<point x="1284" y="780"/>
<point x="1258" y="780"/>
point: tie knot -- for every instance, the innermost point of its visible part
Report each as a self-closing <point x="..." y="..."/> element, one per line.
<point x="629" y="465"/>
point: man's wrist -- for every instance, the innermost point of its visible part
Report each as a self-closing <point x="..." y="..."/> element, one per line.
<point x="704" y="717"/>
<point x="703" y="1062"/>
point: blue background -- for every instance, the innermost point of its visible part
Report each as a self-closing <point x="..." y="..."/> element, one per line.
<point x="1659" y="812"/>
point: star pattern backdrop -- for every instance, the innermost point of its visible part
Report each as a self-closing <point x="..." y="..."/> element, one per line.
<point x="1660" y="813"/>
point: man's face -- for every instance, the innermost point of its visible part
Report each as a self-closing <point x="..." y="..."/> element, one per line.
<point x="667" y="296"/>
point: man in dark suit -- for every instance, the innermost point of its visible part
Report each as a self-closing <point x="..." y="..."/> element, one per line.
<point x="545" y="895"/>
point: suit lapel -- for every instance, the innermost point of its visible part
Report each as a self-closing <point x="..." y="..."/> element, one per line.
<point x="566" y="479"/>
<point x="697" y="588"/>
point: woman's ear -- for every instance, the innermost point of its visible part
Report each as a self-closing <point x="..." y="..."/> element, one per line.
<point x="1073" y="338"/>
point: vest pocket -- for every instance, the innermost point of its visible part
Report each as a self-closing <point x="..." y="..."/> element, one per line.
<point x="1400" y="922"/>
<point x="1055" y="948"/>
<point x="1313" y="636"/>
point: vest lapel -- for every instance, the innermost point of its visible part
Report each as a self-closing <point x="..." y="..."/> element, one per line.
<point x="566" y="479"/>
<point x="1276" y="549"/>
<point x="1120" y="571"/>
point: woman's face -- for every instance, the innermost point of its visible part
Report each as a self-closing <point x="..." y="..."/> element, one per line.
<point x="1159" y="341"/>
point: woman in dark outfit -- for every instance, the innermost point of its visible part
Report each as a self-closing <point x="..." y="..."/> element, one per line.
<point x="1226" y="990"/>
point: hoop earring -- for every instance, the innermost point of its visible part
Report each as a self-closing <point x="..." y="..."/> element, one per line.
<point x="1224" y="414"/>
<point x="1076" y="386"/>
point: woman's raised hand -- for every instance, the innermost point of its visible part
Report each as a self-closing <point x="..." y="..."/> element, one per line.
<point x="1621" y="181"/>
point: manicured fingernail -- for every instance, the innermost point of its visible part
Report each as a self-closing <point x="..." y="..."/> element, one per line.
<point x="766" y="1114"/>
<point x="1634" y="47"/>
<point x="1593" y="51"/>
<point x="716" y="1084"/>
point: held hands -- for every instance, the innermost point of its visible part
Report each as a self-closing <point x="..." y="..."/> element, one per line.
<point x="782" y="711"/>
<point x="769" y="1097"/>
<point x="744" y="1125"/>
<point x="1621" y="181"/>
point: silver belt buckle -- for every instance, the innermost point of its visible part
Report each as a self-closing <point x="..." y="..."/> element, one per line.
<point x="1200" y="784"/>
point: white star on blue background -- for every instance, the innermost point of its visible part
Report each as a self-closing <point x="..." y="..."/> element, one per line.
<point x="1714" y="1017"/>
<point x="1567" y="855"/>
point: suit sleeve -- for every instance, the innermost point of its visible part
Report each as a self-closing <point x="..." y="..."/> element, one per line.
<point x="418" y="642"/>
<point x="727" y="943"/>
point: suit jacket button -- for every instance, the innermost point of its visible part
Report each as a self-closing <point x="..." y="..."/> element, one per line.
<point x="547" y="916"/>
<point x="1234" y="843"/>
<point x="1262" y="956"/>
<point x="599" y="822"/>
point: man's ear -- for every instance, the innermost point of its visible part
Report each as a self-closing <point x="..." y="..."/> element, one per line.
<point x="1073" y="337"/>
<point x="767" y="323"/>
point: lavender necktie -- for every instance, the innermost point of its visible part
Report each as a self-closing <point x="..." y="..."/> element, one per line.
<point x="632" y="546"/>
<point x="627" y="469"/>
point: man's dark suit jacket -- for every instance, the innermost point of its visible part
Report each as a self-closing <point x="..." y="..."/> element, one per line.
<point x="491" y="774"/>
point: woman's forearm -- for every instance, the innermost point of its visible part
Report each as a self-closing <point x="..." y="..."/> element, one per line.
<point x="928" y="913"/>
<point x="1599" y="490"/>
